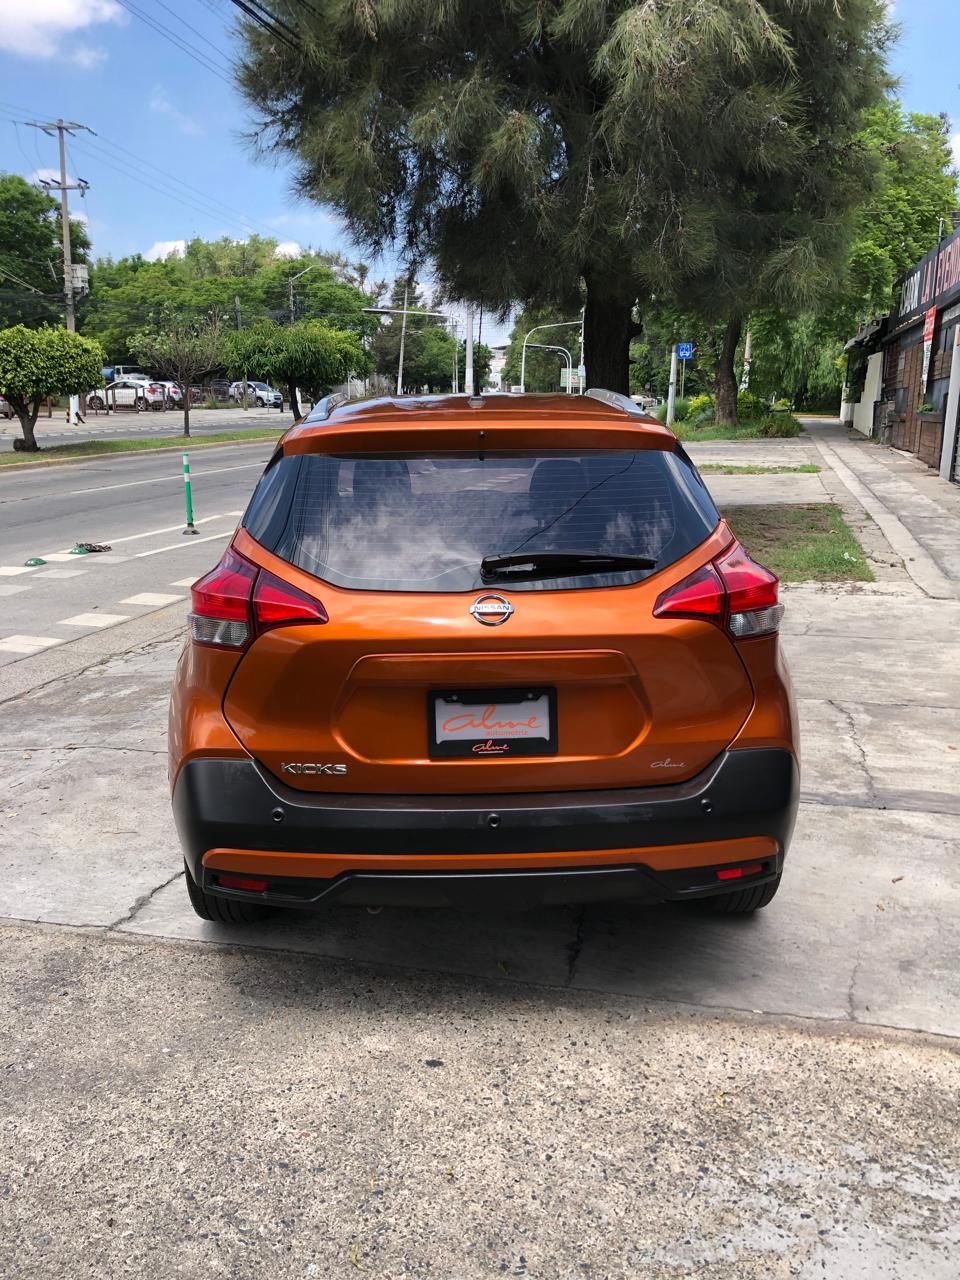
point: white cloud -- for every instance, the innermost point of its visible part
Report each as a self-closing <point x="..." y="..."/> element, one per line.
<point x="161" y="249"/>
<point x="287" y="249"/>
<point x="34" y="28"/>
<point x="162" y="106"/>
<point x="86" y="58"/>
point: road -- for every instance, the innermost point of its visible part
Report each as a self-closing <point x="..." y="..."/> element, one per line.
<point x="610" y="1092"/>
<point x="134" y="504"/>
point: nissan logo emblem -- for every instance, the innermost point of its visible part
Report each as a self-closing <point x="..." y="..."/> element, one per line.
<point x="491" y="610"/>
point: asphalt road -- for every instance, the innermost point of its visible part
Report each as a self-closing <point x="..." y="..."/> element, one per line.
<point x="134" y="504"/>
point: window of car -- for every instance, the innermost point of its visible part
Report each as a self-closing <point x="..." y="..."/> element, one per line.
<point x="409" y="522"/>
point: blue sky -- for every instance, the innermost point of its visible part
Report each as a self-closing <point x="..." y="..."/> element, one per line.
<point x="162" y="118"/>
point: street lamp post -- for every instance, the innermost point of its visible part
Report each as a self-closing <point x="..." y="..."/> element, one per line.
<point x="290" y="290"/>
<point x="552" y="346"/>
<point x="559" y="324"/>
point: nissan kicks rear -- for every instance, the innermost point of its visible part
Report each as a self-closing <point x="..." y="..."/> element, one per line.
<point x="487" y="651"/>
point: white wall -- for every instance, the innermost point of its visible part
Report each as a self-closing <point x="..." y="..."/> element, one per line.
<point x="863" y="409"/>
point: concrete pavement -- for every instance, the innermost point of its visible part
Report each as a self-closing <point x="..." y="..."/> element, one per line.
<point x="563" y="1093"/>
<point x="133" y="426"/>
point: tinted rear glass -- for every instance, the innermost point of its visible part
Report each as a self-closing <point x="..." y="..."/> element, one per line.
<point x="414" y="523"/>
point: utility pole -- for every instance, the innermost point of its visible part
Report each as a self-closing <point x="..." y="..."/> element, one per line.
<point x="61" y="128"/>
<point x="468" y="356"/>
<point x="403" y="339"/>
<point x="747" y="360"/>
<point x="672" y="393"/>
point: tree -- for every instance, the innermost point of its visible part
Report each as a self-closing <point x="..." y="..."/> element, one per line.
<point x="544" y="152"/>
<point x="309" y="355"/>
<point x="183" y="350"/>
<point x="36" y="363"/>
<point x="542" y="368"/>
<point x="31" y="253"/>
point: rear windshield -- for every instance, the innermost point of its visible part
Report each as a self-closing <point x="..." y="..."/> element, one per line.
<point x="405" y="522"/>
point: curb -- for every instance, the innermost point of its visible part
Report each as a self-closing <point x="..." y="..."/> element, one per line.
<point x="192" y="442"/>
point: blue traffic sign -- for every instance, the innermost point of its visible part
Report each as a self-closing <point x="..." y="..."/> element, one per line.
<point x="685" y="350"/>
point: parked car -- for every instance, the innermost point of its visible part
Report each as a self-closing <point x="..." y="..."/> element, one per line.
<point x="258" y="393"/>
<point x="6" y="410"/>
<point x="173" y="393"/>
<point x="126" y="393"/>
<point x="219" y="389"/>
<point x="544" y="671"/>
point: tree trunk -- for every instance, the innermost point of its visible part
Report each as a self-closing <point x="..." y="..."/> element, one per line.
<point x="608" y="329"/>
<point x="28" y="418"/>
<point x="725" y="386"/>
<point x="185" y="388"/>
<point x="294" y="402"/>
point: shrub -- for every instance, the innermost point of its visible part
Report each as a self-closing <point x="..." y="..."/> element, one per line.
<point x="699" y="418"/>
<point x="699" y="403"/>
<point x="779" y="426"/>
<point x="783" y="404"/>
<point x="751" y="407"/>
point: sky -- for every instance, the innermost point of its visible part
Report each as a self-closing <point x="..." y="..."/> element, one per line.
<point x="169" y="160"/>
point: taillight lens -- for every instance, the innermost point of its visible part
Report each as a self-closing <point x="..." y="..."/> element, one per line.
<point x="277" y="604"/>
<point x="222" y="614"/>
<point x="733" y="591"/>
<point x="236" y="601"/>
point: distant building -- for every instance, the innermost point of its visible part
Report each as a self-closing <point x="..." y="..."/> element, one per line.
<point x="903" y="383"/>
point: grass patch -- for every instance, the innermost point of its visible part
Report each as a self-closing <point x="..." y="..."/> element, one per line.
<point x="742" y="431"/>
<point x="804" y="543"/>
<point x="752" y="469"/>
<point x="95" y="448"/>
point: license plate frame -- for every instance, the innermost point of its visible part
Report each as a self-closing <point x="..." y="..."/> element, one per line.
<point x="494" y="746"/>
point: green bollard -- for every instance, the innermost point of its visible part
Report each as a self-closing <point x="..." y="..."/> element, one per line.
<point x="187" y="494"/>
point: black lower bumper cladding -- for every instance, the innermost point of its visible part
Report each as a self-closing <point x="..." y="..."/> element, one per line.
<point x="235" y="804"/>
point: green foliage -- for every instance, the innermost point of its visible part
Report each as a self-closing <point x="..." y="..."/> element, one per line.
<point x="309" y="355"/>
<point x="35" y="363"/>
<point x="131" y="295"/>
<point x="750" y="405"/>
<point x="543" y="368"/>
<point x="543" y="153"/>
<point x="700" y="404"/>
<point x="31" y="250"/>
<point x="778" y="426"/>
<point x="183" y="349"/>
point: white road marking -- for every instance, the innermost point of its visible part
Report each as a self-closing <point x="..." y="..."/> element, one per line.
<point x="11" y="570"/>
<point x="172" y="528"/>
<point x="94" y="620"/>
<point x="177" y="475"/>
<point x="8" y="589"/>
<point x="179" y="546"/>
<point x="183" y="582"/>
<point x="61" y="573"/>
<point x="28" y="644"/>
<point x="61" y="556"/>
<point x="155" y="598"/>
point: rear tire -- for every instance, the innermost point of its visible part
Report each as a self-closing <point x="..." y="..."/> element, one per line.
<point x="94" y="402"/>
<point x="742" y="902"/>
<point x="221" y="910"/>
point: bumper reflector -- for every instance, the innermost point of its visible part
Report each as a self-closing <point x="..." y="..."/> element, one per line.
<point x="241" y="882"/>
<point x="737" y="873"/>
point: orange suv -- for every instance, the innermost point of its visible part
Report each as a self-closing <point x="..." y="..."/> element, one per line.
<point x="489" y="650"/>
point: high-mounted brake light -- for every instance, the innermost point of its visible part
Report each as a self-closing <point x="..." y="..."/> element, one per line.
<point x="732" y="591"/>
<point x="236" y="601"/>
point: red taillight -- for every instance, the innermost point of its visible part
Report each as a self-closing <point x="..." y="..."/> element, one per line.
<point x="221" y="603"/>
<point x="241" y="882"/>
<point x="733" y="591"/>
<point x="699" y="596"/>
<point x="236" y="601"/>
<point x="276" y="604"/>
<point x="737" y="873"/>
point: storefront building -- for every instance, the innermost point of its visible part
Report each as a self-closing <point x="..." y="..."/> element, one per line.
<point x="904" y="370"/>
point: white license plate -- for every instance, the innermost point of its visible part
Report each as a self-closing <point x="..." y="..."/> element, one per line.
<point x="498" y="724"/>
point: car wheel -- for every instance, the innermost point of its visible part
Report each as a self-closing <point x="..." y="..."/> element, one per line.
<point x="260" y="402"/>
<point x="140" y="403"/>
<point x="94" y="402"/>
<point x="742" y="902"/>
<point x="221" y="910"/>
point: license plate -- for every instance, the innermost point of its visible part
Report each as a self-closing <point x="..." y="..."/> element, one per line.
<point x="487" y="724"/>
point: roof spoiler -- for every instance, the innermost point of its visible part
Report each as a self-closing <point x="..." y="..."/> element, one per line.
<point x="616" y="400"/>
<point x="323" y="408"/>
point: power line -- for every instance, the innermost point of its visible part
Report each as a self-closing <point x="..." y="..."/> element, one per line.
<point x="265" y="25"/>
<point x="292" y="31"/>
<point x="183" y="46"/>
<point x="180" y="18"/>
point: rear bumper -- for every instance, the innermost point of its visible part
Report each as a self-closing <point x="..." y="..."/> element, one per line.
<point x="645" y="843"/>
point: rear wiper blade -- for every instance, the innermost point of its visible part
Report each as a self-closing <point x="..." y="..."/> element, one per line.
<point x="538" y="564"/>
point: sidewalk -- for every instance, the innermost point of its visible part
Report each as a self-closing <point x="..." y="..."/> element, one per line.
<point x="918" y="513"/>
